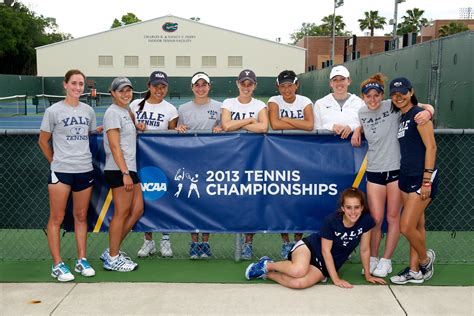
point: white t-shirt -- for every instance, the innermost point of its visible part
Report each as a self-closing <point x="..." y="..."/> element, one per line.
<point x="155" y="116"/>
<point x="241" y="111"/>
<point x="293" y="110"/>
<point x="328" y="112"/>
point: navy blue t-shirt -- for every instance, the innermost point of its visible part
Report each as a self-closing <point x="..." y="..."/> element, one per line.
<point x="345" y="239"/>
<point x="412" y="149"/>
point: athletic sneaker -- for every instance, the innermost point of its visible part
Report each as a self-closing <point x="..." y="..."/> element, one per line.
<point x="165" y="246"/>
<point x="120" y="264"/>
<point x="61" y="272"/>
<point x="257" y="270"/>
<point x="373" y="263"/>
<point x="247" y="251"/>
<point x="285" y="249"/>
<point x="194" y="250"/>
<point x="407" y="276"/>
<point x="383" y="268"/>
<point x="428" y="269"/>
<point x="205" y="250"/>
<point x="106" y="253"/>
<point x="84" y="268"/>
<point x="148" y="248"/>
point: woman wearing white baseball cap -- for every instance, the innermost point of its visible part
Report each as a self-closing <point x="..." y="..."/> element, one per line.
<point x="201" y="113"/>
<point x="338" y="110"/>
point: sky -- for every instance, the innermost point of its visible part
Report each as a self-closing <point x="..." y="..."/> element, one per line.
<point x="265" y="19"/>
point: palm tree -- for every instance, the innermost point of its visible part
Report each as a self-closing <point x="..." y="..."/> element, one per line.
<point x="452" y="28"/>
<point x="412" y="22"/>
<point x="372" y="21"/>
<point x="327" y="25"/>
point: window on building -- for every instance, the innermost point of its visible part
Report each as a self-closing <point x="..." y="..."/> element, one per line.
<point x="183" y="61"/>
<point x="106" y="61"/>
<point x="157" y="61"/>
<point x="234" y="61"/>
<point x="209" y="61"/>
<point x="131" y="61"/>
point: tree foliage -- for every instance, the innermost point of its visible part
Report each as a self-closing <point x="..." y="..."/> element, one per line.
<point x="126" y="19"/>
<point x="412" y="22"/>
<point x="372" y="21"/>
<point x="325" y="29"/>
<point x="21" y="30"/>
<point x="452" y="28"/>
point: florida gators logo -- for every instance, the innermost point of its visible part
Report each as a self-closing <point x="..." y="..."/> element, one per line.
<point x="170" y="27"/>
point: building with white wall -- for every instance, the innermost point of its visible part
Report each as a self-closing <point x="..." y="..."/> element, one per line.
<point x="178" y="46"/>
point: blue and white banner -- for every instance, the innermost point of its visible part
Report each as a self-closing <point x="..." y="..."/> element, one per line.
<point x="238" y="182"/>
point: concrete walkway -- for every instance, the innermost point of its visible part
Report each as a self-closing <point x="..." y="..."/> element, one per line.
<point x="230" y="299"/>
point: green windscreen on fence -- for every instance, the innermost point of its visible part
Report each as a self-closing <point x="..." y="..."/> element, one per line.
<point x="440" y="70"/>
<point x="25" y="208"/>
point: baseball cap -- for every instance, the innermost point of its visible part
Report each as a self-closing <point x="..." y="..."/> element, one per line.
<point x="401" y="84"/>
<point x="158" y="77"/>
<point x="287" y="76"/>
<point x="247" y="74"/>
<point x="371" y="85"/>
<point x="119" y="83"/>
<point x="339" y="71"/>
<point x="200" y="75"/>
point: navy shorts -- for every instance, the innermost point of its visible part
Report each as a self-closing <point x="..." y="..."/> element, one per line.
<point x="316" y="259"/>
<point x="410" y="184"/>
<point x="115" y="178"/>
<point x="383" y="178"/>
<point x="77" y="181"/>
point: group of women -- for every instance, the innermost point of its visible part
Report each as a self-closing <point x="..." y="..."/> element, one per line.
<point x="400" y="172"/>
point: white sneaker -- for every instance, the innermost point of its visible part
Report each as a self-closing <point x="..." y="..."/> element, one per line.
<point x="383" y="268"/>
<point x="61" y="272"/>
<point x="407" y="276"/>
<point x="374" y="261"/>
<point x="165" y="247"/>
<point x="84" y="268"/>
<point x="148" y="248"/>
<point x="120" y="264"/>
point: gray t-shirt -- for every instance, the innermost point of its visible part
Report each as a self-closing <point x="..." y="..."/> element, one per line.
<point x="380" y="129"/>
<point x="200" y="117"/>
<point x="117" y="117"/>
<point x="70" y="127"/>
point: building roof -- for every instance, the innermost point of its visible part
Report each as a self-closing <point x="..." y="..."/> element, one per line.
<point x="173" y="17"/>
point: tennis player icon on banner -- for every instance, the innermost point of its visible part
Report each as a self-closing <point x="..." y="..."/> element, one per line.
<point x="193" y="186"/>
<point x="181" y="176"/>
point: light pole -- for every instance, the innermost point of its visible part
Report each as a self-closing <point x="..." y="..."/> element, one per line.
<point x="337" y="4"/>
<point x="394" y="22"/>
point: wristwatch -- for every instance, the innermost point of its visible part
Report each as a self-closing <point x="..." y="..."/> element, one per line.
<point x="126" y="173"/>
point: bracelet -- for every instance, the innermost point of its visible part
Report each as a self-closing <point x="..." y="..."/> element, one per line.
<point x="429" y="179"/>
<point x="431" y="114"/>
<point x="427" y="184"/>
<point x="429" y="170"/>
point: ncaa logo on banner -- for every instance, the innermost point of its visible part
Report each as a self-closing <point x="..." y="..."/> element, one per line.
<point x="154" y="182"/>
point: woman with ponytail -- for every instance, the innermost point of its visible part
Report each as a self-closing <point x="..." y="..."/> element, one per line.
<point x="154" y="113"/>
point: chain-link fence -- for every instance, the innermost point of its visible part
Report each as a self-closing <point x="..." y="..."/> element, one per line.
<point x="25" y="208"/>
